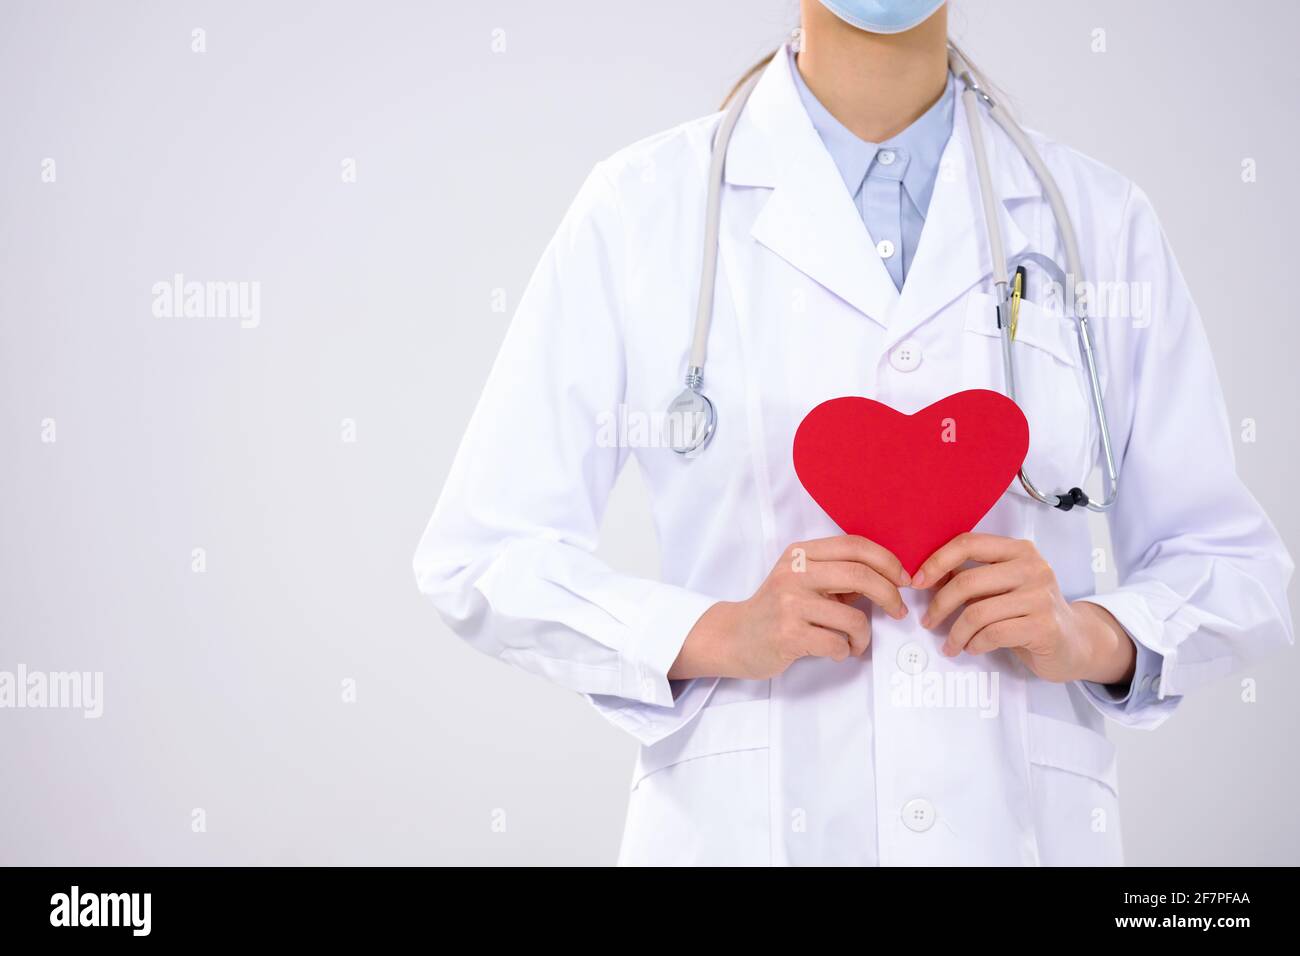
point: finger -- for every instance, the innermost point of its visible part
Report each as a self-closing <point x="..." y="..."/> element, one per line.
<point x="972" y="584"/>
<point x="1013" y="632"/>
<point x="850" y="621"/>
<point x="853" y="547"/>
<point x="987" y="548"/>
<point x="981" y="614"/>
<point x="817" y="641"/>
<point x="841" y="576"/>
<point x="858" y="644"/>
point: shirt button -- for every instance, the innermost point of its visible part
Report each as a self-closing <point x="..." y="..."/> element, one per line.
<point x="906" y="356"/>
<point x="886" y="157"/>
<point x="912" y="658"/>
<point x="885" y="248"/>
<point x="918" y="815"/>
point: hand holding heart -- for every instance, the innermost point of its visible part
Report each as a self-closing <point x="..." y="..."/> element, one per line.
<point x="800" y="610"/>
<point x="1010" y="599"/>
<point x="909" y="487"/>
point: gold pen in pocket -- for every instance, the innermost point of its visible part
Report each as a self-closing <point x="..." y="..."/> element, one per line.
<point x="1017" y="291"/>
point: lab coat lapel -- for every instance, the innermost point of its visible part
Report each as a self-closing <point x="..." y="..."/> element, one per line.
<point x="810" y="220"/>
<point x="953" y="254"/>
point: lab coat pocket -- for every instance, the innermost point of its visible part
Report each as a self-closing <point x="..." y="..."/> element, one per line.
<point x="1075" y="794"/>
<point x="1050" y="388"/>
<point x="700" y="797"/>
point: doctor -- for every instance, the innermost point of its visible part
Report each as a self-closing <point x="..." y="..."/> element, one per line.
<point x="798" y="699"/>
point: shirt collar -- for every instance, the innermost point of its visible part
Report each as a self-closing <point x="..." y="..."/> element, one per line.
<point x="922" y="143"/>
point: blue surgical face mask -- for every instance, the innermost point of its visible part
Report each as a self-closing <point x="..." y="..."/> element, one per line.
<point x="883" y="16"/>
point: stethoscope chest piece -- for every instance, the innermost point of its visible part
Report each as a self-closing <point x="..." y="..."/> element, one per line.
<point x="690" y="423"/>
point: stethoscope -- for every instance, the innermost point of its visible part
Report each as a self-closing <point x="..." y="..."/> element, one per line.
<point x="694" y="417"/>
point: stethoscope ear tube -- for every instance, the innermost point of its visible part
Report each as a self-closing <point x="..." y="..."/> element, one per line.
<point x="712" y="218"/>
<point x="693" y="400"/>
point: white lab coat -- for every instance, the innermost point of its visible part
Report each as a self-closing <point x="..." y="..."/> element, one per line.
<point x="847" y="763"/>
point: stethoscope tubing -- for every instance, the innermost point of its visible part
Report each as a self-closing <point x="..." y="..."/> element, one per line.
<point x="973" y="93"/>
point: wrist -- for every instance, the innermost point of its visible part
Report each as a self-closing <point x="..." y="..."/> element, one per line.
<point x="704" y="652"/>
<point x="1112" y="656"/>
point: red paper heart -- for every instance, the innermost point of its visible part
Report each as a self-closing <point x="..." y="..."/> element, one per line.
<point x="911" y="482"/>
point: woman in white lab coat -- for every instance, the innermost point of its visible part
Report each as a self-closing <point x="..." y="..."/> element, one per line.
<point x="797" y="698"/>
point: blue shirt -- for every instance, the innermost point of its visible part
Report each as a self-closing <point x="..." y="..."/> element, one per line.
<point x="890" y="182"/>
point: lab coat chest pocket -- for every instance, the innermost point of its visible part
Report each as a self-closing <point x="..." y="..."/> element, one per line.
<point x="1050" y="387"/>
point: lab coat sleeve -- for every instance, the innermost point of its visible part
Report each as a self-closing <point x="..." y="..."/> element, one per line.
<point x="1203" y="573"/>
<point x="507" y="557"/>
<point x="1141" y="692"/>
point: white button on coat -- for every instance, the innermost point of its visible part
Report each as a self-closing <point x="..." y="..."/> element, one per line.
<point x="906" y="356"/>
<point x="912" y="658"/>
<point x="885" y="248"/>
<point x="918" y="815"/>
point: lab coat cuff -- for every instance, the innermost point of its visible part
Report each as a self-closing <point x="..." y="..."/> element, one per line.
<point x="669" y="613"/>
<point x="1144" y="703"/>
<point x="649" y="706"/>
<point x="649" y="723"/>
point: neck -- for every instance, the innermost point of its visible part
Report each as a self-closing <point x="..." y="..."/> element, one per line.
<point x="875" y="84"/>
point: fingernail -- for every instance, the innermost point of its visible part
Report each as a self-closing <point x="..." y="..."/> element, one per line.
<point x="904" y="579"/>
<point x="925" y="620"/>
<point x="919" y="580"/>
